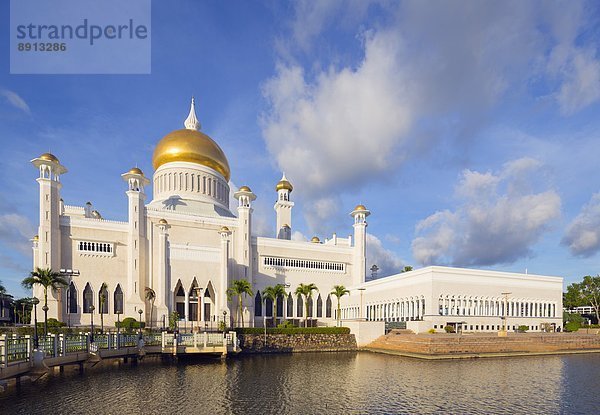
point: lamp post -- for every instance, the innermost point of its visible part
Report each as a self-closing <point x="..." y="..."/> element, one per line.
<point x="35" y="302"/>
<point x="265" y="324"/>
<point x="504" y="322"/>
<point x="45" y="308"/>
<point x="92" y="308"/>
<point x="118" y="328"/>
<point x="224" y="321"/>
<point x="200" y="305"/>
<point x="140" y="313"/>
<point x="69" y="273"/>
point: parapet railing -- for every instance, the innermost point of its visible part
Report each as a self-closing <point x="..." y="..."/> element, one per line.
<point x="199" y="340"/>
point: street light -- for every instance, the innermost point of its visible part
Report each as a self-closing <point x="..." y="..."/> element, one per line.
<point x="224" y="323"/>
<point x="118" y="328"/>
<point x="45" y="308"/>
<point x="92" y="308"/>
<point x="35" y="302"/>
<point x="140" y="311"/>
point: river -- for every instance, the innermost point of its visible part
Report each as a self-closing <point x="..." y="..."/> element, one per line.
<point x="319" y="383"/>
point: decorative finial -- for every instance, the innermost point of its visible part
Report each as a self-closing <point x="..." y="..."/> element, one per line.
<point x="191" y="122"/>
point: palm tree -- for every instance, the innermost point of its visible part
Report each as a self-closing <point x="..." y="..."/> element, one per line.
<point x="306" y="291"/>
<point x="339" y="291"/>
<point x="151" y="296"/>
<point x="102" y="301"/>
<point x="240" y="288"/>
<point x="273" y="293"/>
<point x="47" y="279"/>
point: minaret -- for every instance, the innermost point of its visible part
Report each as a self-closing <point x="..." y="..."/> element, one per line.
<point x="137" y="240"/>
<point x="359" y="264"/>
<point x="49" y="235"/>
<point x="243" y="237"/>
<point x="283" y="207"/>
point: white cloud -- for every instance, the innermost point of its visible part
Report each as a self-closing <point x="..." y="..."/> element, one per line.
<point x="16" y="231"/>
<point x="387" y="261"/>
<point x="498" y="219"/>
<point x="15" y="100"/>
<point x="583" y="233"/>
<point x="299" y="236"/>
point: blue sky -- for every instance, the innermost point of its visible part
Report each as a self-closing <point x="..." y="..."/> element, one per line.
<point x="469" y="128"/>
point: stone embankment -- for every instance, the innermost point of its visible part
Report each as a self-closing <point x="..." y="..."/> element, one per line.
<point x="453" y="346"/>
<point x="292" y="343"/>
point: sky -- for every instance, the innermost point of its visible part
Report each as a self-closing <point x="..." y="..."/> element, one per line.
<point x="470" y="129"/>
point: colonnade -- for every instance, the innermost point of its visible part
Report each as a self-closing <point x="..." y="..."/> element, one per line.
<point x="462" y="305"/>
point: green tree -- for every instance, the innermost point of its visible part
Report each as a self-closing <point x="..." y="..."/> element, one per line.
<point x="151" y="297"/>
<point x="46" y="278"/>
<point x="590" y="292"/>
<point x="339" y="291"/>
<point x="273" y="293"/>
<point x="306" y="290"/>
<point x="407" y="268"/>
<point x="102" y="301"/>
<point x="23" y="309"/>
<point x="573" y="297"/>
<point x="239" y="289"/>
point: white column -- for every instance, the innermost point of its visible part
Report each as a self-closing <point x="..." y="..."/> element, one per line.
<point x="187" y="305"/>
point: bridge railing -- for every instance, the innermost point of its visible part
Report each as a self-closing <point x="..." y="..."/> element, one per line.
<point x="14" y="349"/>
<point x="200" y="340"/>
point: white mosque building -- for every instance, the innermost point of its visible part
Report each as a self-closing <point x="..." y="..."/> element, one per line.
<point x="187" y="245"/>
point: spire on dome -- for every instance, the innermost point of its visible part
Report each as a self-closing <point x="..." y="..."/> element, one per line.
<point x="191" y="122"/>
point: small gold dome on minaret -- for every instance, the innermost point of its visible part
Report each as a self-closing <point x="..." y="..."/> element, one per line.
<point x="136" y="170"/>
<point x="163" y="222"/>
<point x="49" y="157"/>
<point x="245" y="189"/>
<point x="284" y="184"/>
<point x="315" y="240"/>
<point x="191" y="145"/>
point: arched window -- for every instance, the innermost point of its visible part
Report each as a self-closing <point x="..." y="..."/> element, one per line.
<point x="72" y="298"/>
<point x="328" y="307"/>
<point x="118" y="300"/>
<point x="103" y="300"/>
<point x="299" y="306"/>
<point x="280" y="306"/>
<point x="268" y="307"/>
<point x="257" y="305"/>
<point x="319" y="306"/>
<point x="310" y="307"/>
<point x="290" y="306"/>
<point x="88" y="298"/>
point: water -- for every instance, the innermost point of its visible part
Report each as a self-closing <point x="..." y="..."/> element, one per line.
<point x="335" y="383"/>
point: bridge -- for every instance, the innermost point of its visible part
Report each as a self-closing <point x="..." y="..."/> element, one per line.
<point x="19" y="357"/>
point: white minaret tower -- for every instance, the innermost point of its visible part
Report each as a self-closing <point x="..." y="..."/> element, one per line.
<point x="137" y="241"/>
<point x="49" y="236"/>
<point x="243" y="238"/>
<point x="283" y="207"/>
<point x="359" y="266"/>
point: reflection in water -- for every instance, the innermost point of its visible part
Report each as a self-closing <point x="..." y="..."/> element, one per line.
<point x="320" y="383"/>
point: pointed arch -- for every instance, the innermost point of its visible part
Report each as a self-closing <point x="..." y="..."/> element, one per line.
<point x="257" y="304"/>
<point x="88" y="298"/>
<point x="193" y="301"/>
<point x="118" y="300"/>
<point x="268" y="307"/>
<point x="279" y="306"/>
<point x="209" y="301"/>
<point x="299" y="306"/>
<point x="290" y="306"/>
<point x="328" y="306"/>
<point x="310" y="307"/>
<point x="319" y="307"/>
<point x="103" y="304"/>
<point x="72" y="298"/>
<point x="179" y="299"/>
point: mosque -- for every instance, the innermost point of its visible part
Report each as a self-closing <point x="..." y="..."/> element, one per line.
<point x="187" y="245"/>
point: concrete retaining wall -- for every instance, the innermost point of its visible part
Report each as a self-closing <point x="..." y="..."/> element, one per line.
<point x="291" y="343"/>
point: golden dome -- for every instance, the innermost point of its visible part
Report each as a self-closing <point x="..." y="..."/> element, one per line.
<point x="36" y="238"/>
<point x="191" y="146"/>
<point x="360" y="207"/>
<point x="224" y="229"/>
<point x="245" y="189"/>
<point x="162" y="222"/>
<point x="135" y="170"/>
<point x="315" y="240"/>
<point x="285" y="225"/>
<point x="284" y="184"/>
<point x="49" y="157"/>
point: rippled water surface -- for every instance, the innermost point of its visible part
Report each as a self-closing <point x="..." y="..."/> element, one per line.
<point x="320" y="383"/>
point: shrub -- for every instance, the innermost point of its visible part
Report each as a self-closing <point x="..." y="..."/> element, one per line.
<point x="572" y="326"/>
<point x="523" y="328"/>
<point x="431" y="331"/>
<point x="129" y="324"/>
<point x="173" y="319"/>
<point x="450" y="329"/>
<point x="294" y="330"/>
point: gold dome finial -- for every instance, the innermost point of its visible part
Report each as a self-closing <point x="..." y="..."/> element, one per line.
<point x="284" y="184"/>
<point x="315" y="240"/>
<point x="191" y="122"/>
